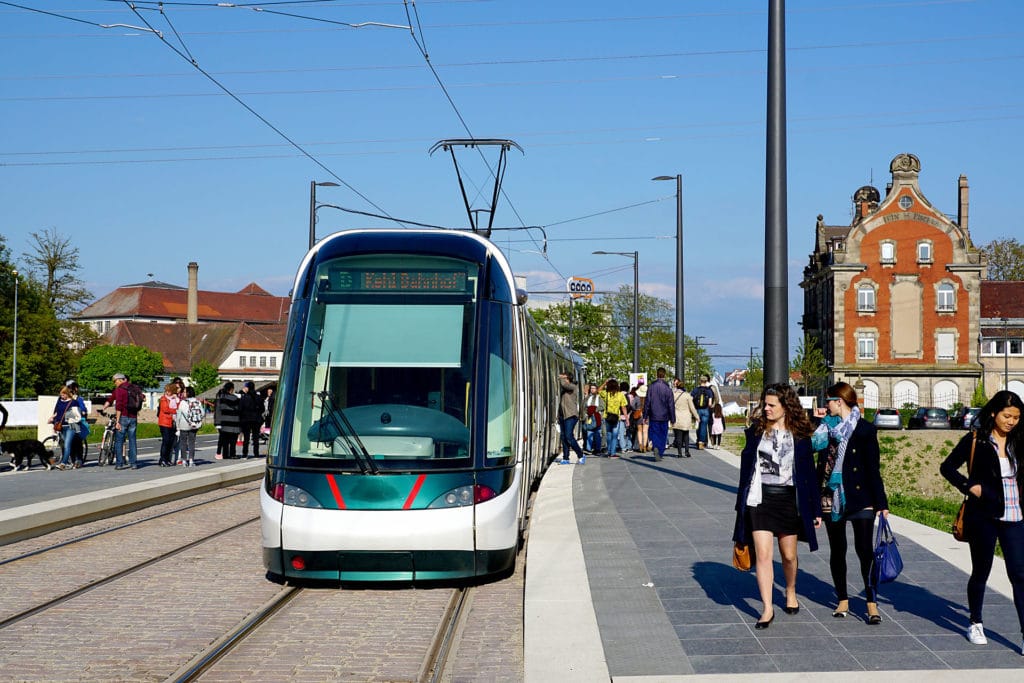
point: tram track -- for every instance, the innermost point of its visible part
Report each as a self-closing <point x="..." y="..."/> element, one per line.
<point x="124" y="525"/>
<point x="96" y="583"/>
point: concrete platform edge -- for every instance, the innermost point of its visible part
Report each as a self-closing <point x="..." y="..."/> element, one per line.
<point x="561" y="640"/>
<point x="27" y="521"/>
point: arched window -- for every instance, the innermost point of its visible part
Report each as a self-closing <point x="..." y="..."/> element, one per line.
<point x="904" y="392"/>
<point x="870" y="394"/>
<point x="888" y="250"/>
<point x="945" y="393"/>
<point x="945" y="297"/>
<point x="924" y="251"/>
<point x="865" y="298"/>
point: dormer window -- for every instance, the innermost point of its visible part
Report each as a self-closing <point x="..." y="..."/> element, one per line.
<point x="888" y="252"/>
<point x="924" y="251"/>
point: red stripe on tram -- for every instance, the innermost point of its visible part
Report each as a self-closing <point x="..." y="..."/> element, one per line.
<point x="337" y="493"/>
<point x="415" y="490"/>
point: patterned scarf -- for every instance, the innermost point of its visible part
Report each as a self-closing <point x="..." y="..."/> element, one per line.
<point x="841" y="433"/>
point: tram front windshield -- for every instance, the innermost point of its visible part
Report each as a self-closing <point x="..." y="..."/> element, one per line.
<point x="387" y="356"/>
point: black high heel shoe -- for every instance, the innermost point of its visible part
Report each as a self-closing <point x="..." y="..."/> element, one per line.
<point x="761" y="625"/>
<point x="792" y="610"/>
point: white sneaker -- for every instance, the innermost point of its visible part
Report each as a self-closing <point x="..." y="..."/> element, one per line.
<point x="976" y="634"/>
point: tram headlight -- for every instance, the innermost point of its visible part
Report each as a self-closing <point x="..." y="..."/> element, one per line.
<point x="463" y="495"/>
<point x="298" y="497"/>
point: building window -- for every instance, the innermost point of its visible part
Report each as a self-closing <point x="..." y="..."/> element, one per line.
<point x="263" y="361"/>
<point x="865" y="348"/>
<point x="945" y="346"/>
<point x="866" y="298"/>
<point x="888" y="252"/>
<point x="924" y="252"/>
<point x="252" y="361"/>
<point x="106" y="326"/>
<point x="945" y="297"/>
<point x="906" y="202"/>
<point x="241" y="361"/>
<point x="273" y="361"/>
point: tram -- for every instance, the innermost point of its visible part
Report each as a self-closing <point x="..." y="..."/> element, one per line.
<point x="417" y="407"/>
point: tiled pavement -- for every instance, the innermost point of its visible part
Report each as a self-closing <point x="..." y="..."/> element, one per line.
<point x="657" y="548"/>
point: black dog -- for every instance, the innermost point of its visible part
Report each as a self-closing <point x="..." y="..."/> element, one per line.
<point x="22" y="451"/>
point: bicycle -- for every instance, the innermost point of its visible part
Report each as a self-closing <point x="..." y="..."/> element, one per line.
<point x="55" y="444"/>
<point x="107" y="455"/>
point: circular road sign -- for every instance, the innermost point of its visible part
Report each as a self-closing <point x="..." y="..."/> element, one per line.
<point x="580" y="287"/>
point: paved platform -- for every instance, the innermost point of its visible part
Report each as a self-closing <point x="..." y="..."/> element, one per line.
<point x="653" y="563"/>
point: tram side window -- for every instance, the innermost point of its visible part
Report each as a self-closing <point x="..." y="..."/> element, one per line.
<point x="500" y="384"/>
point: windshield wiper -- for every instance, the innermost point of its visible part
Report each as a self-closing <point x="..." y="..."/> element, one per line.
<point x="348" y="434"/>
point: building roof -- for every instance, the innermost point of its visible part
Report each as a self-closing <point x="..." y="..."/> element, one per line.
<point x="183" y="345"/>
<point x="1002" y="299"/>
<point x="160" y="301"/>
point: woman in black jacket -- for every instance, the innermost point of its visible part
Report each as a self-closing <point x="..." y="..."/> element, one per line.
<point x="777" y="495"/>
<point x="994" y="487"/>
<point x="850" y="477"/>
<point x="226" y="417"/>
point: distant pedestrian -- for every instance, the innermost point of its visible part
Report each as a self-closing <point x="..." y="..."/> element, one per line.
<point x="166" y="411"/>
<point x="188" y="420"/>
<point x="65" y="420"/>
<point x="659" y="411"/>
<point x="717" y="425"/>
<point x="994" y="487"/>
<point x="126" y="421"/>
<point x="251" y="417"/>
<point x="568" y="417"/>
<point x="704" y="399"/>
<point x="778" y="494"/>
<point x="638" y="417"/>
<point x="594" y="418"/>
<point x="850" y="479"/>
<point x="686" y="416"/>
<point x="615" y="411"/>
<point x="226" y="417"/>
<point x="268" y="409"/>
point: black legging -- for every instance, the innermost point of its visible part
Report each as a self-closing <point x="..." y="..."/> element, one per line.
<point x="862" y="543"/>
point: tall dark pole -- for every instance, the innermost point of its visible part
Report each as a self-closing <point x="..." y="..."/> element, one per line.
<point x="680" y="336"/>
<point x="636" y="311"/>
<point x="571" y="299"/>
<point x="312" y="213"/>
<point x="14" y="349"/>
<point x="776" y="311"/>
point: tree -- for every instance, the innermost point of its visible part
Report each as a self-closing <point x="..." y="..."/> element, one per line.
<point x="755" y="377"/>
<point x="592" y="335"/>
<point x="54" y="261"/>
<point x="100" y="363"/>
<point x="1005" y="259"/>
<point x="810" y="363"/>
<point x="204" y="376"/>
<point x="978" y="398"/>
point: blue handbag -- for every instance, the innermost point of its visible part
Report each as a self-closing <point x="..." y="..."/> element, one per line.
<point x="887" y="563"/>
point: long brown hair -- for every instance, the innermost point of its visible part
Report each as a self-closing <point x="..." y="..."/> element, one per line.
<point x="797" y="421"/>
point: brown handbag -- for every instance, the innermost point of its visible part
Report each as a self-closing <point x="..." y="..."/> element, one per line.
<point x="958" y="523"/>
<point x="741" y="557"/>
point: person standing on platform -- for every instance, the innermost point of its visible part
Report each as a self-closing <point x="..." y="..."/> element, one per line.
<point x="166" y="410"/>
<point x="226" y="417"/>
<point x="615" y="410"/>
<point x="850" y="480"/>
<point x="126" y="421"/>
<point x="189" y="419"/>
<point x="594" y="407"/>
<point x="686" y="415"/>
<point x="778" y="496"/>
<point x="251" y="416"/>
<point x="568" y="417"/>
<point x="704" y="399"/>
<point x="717" y="425"/>
<point x="994" y="487"/>
<point x="659" y="411"/>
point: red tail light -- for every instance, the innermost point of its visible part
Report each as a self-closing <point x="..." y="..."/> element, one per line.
<point x="278" y="493"/>
<point x="482" y="493"/>
<point x="298" y="563"/>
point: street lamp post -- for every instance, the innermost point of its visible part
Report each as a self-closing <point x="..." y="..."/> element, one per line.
<point x="312" y="207"/>
<point x="14" y="350"/>
<point x="1006" y="356"/>
<point x="635" y="255"/>
<point x="680" y="338"/>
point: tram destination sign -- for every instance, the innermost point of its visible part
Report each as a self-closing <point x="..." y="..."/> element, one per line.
<point x="580" y="287"/>
<point x="393" y="280"/>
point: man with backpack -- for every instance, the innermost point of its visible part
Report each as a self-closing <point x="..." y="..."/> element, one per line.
<point x="704" y="400"/>
<point x="127" y="399"/>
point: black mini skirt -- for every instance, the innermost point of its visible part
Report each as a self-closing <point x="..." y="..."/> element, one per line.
<point x="777" y="512"/>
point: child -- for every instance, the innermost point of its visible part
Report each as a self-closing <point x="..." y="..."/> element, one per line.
<point x="717" y="425"/>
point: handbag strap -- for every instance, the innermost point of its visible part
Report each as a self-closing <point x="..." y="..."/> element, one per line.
<point x="970" y="460"/>
<point x="884" y="533"/>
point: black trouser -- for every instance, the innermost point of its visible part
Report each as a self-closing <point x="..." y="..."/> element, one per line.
<point x="226" y="444"/>
<point x="863" y="526"/>
<point x="681" y="439"/>
<point x="982" y="533"/>
<point x="251" y="429"/>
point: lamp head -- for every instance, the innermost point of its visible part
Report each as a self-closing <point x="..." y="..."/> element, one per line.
<point x="663" y="177"/>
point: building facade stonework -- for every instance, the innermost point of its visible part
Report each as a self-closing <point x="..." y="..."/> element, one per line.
<point x="893" y="299"/>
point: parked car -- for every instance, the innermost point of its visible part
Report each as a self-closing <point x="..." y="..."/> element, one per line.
<point x="887" y="418"/>
<point x="963" y="417"/>
<point x="929" y="418"/>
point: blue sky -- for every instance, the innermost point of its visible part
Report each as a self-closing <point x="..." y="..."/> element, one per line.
<point x="111" y="137"/>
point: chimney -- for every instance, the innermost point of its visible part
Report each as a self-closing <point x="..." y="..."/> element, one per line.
<point x="961" y="205"/>
<point x="193" y="293"/>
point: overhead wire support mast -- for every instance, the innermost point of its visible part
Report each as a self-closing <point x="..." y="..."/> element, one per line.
<point x="475" y="143"/>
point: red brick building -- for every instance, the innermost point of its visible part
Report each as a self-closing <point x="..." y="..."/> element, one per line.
<point x="894" y="298"/>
